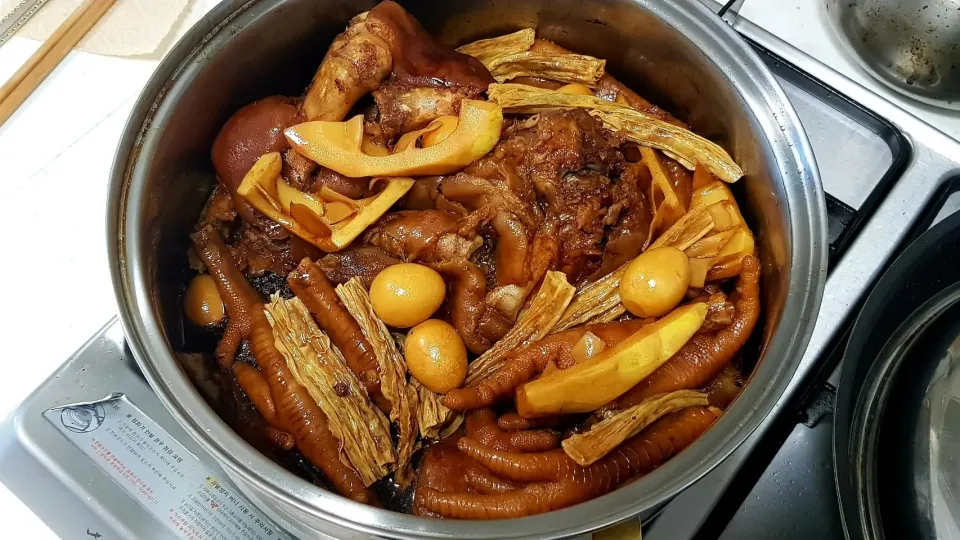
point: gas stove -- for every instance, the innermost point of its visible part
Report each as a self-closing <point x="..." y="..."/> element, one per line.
<point x="93" y="442"/>
<point x="888" y="177"/>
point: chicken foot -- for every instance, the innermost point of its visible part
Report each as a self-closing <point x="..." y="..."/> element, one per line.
<point x="316" y="292"/>
<point x="512" y="421"/>
<point x="562" y="482"/>
<point x="529" y="361"/>
<point x="288" y="408"/>
<point x="236" y="292"/>
<point x="706" y="354"/>
<point x="482" y="427"/>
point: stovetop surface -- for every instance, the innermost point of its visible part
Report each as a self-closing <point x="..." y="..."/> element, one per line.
<point x="859" y="155"/>
<point x="882" y="169"/>
<point x="888" y="177"/>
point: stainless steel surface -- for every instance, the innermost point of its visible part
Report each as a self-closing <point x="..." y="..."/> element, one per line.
<point x="21" y="13"/>
<point x="776" y="507"/>
<point x="851" y="158"/>
<point x="57" y="481"/>
<point x="939" y="433"/>
<point x="689" y="60"/>
<point x="730" y="11"/>
<point x="781" y="504"/>
<point x="909" y="45"/>
<point x="950" y="206"/>
<point x="933" y="160"/>
<point x="934" y="442"/>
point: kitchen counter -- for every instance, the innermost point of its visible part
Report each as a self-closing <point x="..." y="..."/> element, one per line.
<point x="57" y="151"/>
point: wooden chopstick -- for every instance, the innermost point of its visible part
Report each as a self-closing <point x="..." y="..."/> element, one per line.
<point x="45" y="48"/>
<point x="33" y="72"/>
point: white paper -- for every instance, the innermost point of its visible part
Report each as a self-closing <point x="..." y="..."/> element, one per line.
<point x="139" y="28"/>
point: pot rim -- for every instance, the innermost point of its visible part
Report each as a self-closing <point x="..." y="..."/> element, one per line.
<point x="791" y="151"/>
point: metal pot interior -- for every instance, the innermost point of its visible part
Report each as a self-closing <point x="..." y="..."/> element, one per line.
<point x="676" y="54"/>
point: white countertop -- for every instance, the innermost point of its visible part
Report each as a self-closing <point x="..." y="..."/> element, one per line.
<point x="57" y="151"/>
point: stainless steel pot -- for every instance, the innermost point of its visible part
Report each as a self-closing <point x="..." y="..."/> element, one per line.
<point x="896" y="431"/>
<point x="909" y="45"/>
<point x="687" y="60"/>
